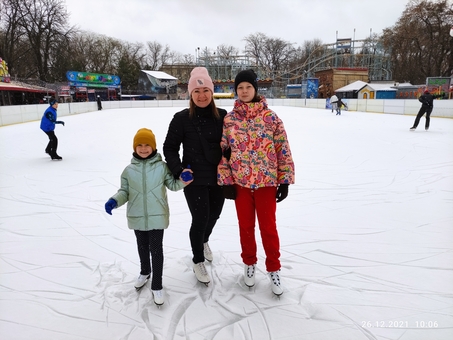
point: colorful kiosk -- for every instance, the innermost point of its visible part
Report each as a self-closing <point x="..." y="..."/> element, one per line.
<point x="86" y="86"/>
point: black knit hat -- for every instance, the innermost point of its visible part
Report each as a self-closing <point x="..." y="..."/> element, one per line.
<point x="247" y="75"/>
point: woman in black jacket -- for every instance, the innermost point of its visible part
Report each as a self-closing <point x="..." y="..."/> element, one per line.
<point x="199" y="130"/>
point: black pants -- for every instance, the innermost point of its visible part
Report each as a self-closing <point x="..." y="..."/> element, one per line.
<point x="424" y="109"/>
<point x="52" y="146"/>
<point x="205" y="204"/>
<point x="151" y="242"/>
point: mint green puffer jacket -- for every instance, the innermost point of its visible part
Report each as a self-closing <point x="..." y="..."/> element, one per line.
<point x="144" y="185"/>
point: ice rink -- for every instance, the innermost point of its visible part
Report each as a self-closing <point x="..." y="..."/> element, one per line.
<point x="366" y="237"/>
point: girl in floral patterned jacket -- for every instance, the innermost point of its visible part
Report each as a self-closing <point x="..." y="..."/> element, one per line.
<point x="256" y="174"/>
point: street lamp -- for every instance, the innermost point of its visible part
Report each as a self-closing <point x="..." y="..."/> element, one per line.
<point x="197" y="50"/>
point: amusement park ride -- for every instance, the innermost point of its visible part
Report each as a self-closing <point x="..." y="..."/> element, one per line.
<point x="344" y="53"/>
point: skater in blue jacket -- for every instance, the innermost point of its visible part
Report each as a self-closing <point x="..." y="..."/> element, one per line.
<point x="48" y="121"/>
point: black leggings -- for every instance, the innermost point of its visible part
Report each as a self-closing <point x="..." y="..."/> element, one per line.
<point x="423" y="109"/>
<point x="205" y="204"/>
<point x="52" y="146"/>
<point x="151" y="242"/>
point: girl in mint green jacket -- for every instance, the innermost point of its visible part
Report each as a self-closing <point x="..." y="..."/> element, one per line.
<point x="144" y="185"/>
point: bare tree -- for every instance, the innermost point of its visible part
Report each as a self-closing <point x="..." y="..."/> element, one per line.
<point x="132" y="60"/>
<point x="419" y="42"/>
<point x="272" y="55"/>
<point x="157" y="55"/>
<point x="13" y="42"/>
<point x="227" y="52"/>
<point x="44" y="22"/>
<point x="304" y="59"/>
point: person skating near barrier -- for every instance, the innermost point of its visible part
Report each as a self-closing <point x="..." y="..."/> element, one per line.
<point x="339" y="105"/>
<point x="48" y="121"/>
<point x="427" y="100"/>
<point x="333" y="102"/>
<point x="99" y="102"/>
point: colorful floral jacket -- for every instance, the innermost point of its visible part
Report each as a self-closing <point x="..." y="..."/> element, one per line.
<point x="260" y="153"/>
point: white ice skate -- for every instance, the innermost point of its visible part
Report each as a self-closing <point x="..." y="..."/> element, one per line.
<point x="249" y="275"/>
<point x="141" y="281"/>
<point x="207" y="252"/>
<point x="275" y="283"/>
<point x="200" y="272"/>
<point x="158" y="297"/>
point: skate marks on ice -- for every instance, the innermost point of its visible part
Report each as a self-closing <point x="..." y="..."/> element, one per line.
<point x="366" y="239"/>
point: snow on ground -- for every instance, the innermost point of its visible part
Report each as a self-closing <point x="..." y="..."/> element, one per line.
<point x="366" y="237"/>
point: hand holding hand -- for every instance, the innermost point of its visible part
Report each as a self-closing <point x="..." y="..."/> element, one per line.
<point x="282" y="192"/>
<point x="110" y="205"/>
<point x="186" y="176"/>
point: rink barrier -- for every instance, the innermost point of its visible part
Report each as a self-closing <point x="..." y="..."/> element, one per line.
<point x="28" y="113"/>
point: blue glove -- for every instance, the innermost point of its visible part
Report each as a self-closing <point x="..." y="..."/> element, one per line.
<point x="111" y="204"/>
<point x="186" y="175"/>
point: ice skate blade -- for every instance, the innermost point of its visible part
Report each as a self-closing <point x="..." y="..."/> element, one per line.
<point x="140" y="288"/>
<point x="205" y="283"/>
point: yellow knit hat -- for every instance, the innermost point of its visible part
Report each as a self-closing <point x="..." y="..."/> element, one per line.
<point x="145" y="136"/>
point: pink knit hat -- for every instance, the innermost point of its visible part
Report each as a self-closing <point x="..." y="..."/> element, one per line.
<point x="199" y="78"/>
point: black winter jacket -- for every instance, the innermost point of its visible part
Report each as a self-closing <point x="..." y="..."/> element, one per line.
<point x="426" y="99"/>
<point x="183" y="130"/>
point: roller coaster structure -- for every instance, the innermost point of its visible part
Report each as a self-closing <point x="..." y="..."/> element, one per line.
<point x="344" y="53"/>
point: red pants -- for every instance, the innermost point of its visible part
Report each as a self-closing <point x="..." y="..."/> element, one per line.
<point x="259" y="203"/>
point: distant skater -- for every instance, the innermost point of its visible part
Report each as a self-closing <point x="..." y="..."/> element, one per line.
<point x="333" y="102"/>
<point x="340" y="103"/>
<point x="427" y="107"/>
<point x="48" y="121"/>
<point x="99" y="103"/>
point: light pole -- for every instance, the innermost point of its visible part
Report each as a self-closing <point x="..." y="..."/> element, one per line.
<point x="197" y="50"/>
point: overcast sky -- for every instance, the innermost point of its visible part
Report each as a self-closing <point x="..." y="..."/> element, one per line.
<point x="185" y="25"/>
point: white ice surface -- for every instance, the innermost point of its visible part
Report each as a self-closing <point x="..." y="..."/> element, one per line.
<point x="366" y="237"/>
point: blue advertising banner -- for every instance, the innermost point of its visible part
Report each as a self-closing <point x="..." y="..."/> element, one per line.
<point x="87" y="79"/>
